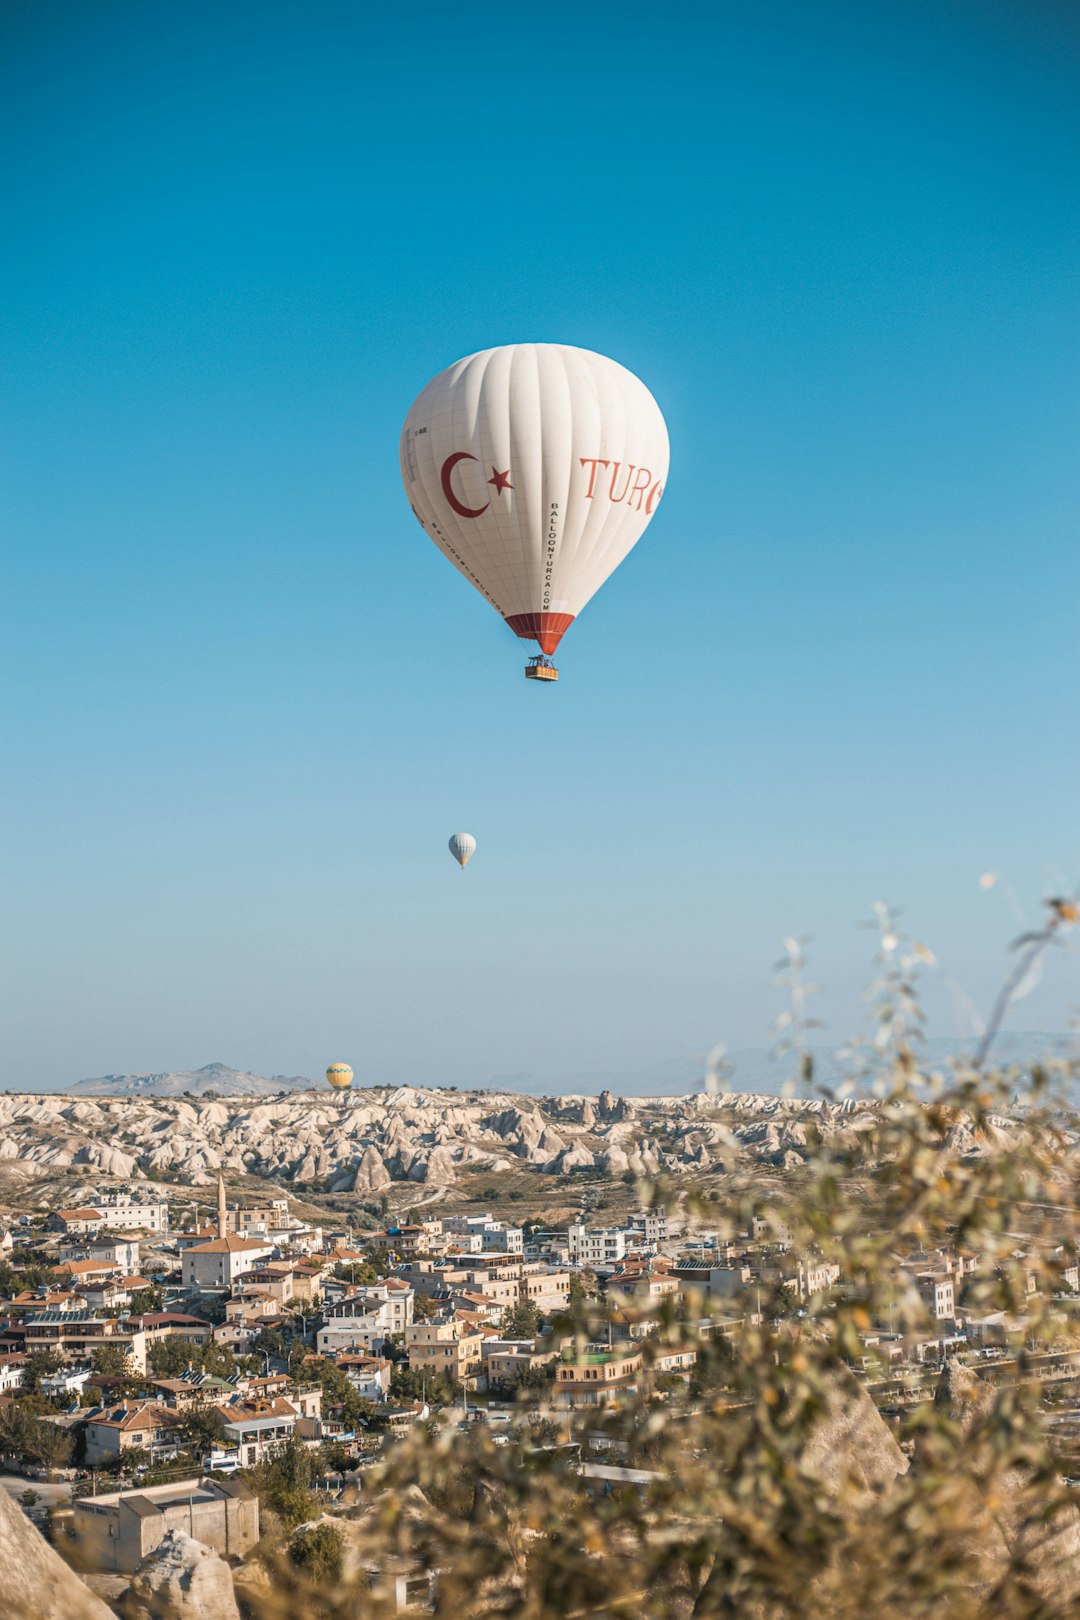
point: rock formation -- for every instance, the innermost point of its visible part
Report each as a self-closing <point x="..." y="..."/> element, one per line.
<point x="851" y="1451"/>
<point x="35" y="1583"/>
<point x="378" y="1137"/>
<point x="182" y="1580"/>
<point x="1004" y="1513"/>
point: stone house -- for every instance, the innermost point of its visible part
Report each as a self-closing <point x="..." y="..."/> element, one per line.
<point x="451" y="1347"/>
<point x="76" y="1222"/>
<point x="215" y="1266"/>
<point x="123" y="1213"/>
<point x="116" y="1532"/>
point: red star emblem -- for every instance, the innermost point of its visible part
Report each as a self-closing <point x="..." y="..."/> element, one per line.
<point x="501" y="481"/>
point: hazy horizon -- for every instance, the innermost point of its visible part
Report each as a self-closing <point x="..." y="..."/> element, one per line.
<point x="751" y="1069"/>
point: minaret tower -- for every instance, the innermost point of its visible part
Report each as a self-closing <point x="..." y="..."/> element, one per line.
<point x="222" y="1218"/>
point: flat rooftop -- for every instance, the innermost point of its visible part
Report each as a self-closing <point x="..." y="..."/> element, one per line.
<point x="161" y="1497"/>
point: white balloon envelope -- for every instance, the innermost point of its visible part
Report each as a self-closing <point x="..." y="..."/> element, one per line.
<point x="535" y="468"/>
<point x="463" y="848"/>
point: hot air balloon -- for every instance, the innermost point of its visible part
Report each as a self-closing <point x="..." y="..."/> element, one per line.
<point x="339" y="1076"/>
<point x="463" y="848"/>
<point x="535" y="468"/>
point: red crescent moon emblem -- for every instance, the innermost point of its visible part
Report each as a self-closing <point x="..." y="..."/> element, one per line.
<point x="448" y="489"/>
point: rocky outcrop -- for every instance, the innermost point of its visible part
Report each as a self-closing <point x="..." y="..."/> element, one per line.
<point x="182" y="1580"/>
<point x="371" y="1173"/>
<point x="615" y="1162"/>
<point x="851" y="1452"/>
<point x="35" y="1583"/>
<point x="577" y="1157"/>
<point x="1003" y="1511"/>
<point x="363" y="1143"/>
<point x="437" y="1168"/>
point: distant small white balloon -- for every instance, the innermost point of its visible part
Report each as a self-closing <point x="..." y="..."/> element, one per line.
<point x="463" y="848"/>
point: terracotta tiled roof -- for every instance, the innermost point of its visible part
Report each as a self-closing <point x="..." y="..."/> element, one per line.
<point x="228" y="1245"/>
<point x="143" y="1416"/>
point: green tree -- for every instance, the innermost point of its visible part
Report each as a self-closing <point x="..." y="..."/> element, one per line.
<point x="333" y="1457"/>
<point x="31" y="1439"/>
<point x="581" y="1289"/>
<point x="38" y="1365"/>
<point x="172" y="1356"/>
<point x="521" y="1321"/>
<point x="318" y="1552"/>
<point x="29" y="1498"/>
<point x="202" y="1428"/>
<point x="218" y="1359"/>
<point x="713" y="1369"/>
<point x="411" y="1384"/>
<point x="135" y="1457"/>
<point x="340" y="1399"/>
<point x="538" y="1380"/>
<point x="357" y="1273"/>
<point x="17" y="1275"/>
<point x="111" y="1361"/>
<point x="283" y="1483"/>
<point x="146" y="1299"/>
<point x="268" y="1341"/>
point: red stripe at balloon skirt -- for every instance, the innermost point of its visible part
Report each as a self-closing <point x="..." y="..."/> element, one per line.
<point x="546" y="628"/>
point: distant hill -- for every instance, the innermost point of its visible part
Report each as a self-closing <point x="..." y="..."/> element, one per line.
<point x="217" y="1077"/>
<point x="749" y="1069"/>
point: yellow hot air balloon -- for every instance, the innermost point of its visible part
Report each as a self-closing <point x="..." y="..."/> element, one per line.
<point x="339" y="1076"/>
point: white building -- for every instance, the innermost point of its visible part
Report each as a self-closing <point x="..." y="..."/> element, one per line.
<point x="495" y="1236"/>
<point x="368" y="1375"/>
<point x="937" y="1294"/>
<point x="596" y="1246"/>
<point x="656" y="1225"/>
<point x="298" y="1237"/>
<point x="216" y="1265"/>
<point x="67" y="1381"/>
<point x="122" y="1253"/>
<point x="368" y="1319"/>
<point x="814" y="1276"/>
<point x="502" y="1239"/>
<point x="132" y="1212"/>
<point x="11" y="1372"/>
<point x="259" y="1219"/>
<point x="258" y="1428"/>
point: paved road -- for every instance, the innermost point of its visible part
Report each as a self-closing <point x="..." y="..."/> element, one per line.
<point x="50" y="1495"/>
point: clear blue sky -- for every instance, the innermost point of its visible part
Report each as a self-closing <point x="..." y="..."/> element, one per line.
<point x="250" y="702"/>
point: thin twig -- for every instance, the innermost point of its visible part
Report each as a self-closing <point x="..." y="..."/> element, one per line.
<point x="1060" y="911"/>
